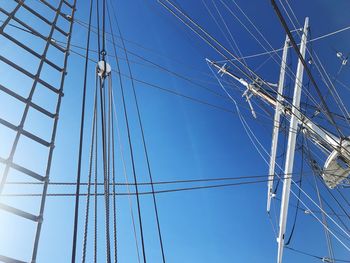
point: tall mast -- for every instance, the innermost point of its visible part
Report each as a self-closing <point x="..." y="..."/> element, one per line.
<point x="276" y="124"/>
<point x="337" y="166"/>
<point x="288" y="170"/>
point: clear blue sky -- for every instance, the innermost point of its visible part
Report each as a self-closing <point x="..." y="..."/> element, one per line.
<point x="186" y="139"/>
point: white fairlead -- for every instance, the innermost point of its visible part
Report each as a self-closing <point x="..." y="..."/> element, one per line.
<point x="103" y="69"/>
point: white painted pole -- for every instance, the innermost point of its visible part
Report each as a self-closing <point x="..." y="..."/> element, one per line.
<point x="291" y="146"/>
<point x="276" y="124"/>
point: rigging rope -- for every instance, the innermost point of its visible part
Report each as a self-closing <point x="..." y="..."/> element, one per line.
<point x="328" y="238"/>
<point x="113" y="176"/>
<point x="91" y="161"/>
<point x="185" y="78"/>
<point x="315" y="256"/>
<point x="280" y="49"/>
<point x="95" y="177"/>
<point x="207" y="38"/>
<point x="81" y="139"/>
<point x="301" y="171"/>
<point x="295" y="46"/>
<point x="298" y="199"/>
<point x="289" y="71"/>
<point x="303" y="203"/>
<point x="151" y="192"/>
<point x="143" y="137"/>
<point x="131" y="150"/>
<point x="102" y="79"/>
<point x="165" y="182"/>
<point x="125" y="176"/>
<point x="322" y="71"/>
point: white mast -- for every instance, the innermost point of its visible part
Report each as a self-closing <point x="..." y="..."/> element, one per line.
<point x="336" y="168"/>
<point x="291" y="146"/>
<point x="276" y="123"/>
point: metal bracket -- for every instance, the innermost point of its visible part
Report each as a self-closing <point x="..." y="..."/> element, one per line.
<point x="222" y="70"/>
<point x="247" y="94"/>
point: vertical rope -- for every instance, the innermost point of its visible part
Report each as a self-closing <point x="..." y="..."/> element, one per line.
<point x="76" y="210"/>
<point x="131" y="155"/>
<point x="113" y="177"/>
<point x="104" y="126"/>
<point x="143" y="138"/>
<point x="120" y="145"/>
<point x="91" y="159"/>
<point x="95" y="179"/>
<point x="105" y="172"/>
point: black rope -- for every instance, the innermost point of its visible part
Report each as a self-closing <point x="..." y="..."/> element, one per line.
<point x="307" y="69"/>
<point x="209" y="39"/>
<point x="337" y="201"/>
<point x="130" y="145"/>
<point x="76" y="209"/>
<point x="91" y="160"/>
<point x="96" y="175"/>
<point x="303" y="253"/>
<point x="171" y="91"/>
<point x="315" y="256"/>
<point x="301" y="171"/>
<point x="143" y="138"/>
<point x="102" y="52"/>
<point x="95" y="179"/>
<point x="155" y="192"/>
<point x="298" y="198"/>
<point x="161" y="182"/>
<point x="328" y="238"/>
<point x="114" y="181"/>
<point x="105" y="169"/>
<point x="325" y="223"/>
<point x="98" y="29"/>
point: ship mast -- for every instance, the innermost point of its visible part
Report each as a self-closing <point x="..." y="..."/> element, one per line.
<point x="338" y="149"/>
<point x="292" y="136"/>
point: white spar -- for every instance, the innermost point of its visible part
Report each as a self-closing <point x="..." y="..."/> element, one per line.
<point x="276" y="124"/>
<point x="292" y="135"/>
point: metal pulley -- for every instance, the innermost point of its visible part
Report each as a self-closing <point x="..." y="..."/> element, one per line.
<point x="103" y="69"/>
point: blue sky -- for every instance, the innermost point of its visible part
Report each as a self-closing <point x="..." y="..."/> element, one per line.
<point x="185" y="139"/>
